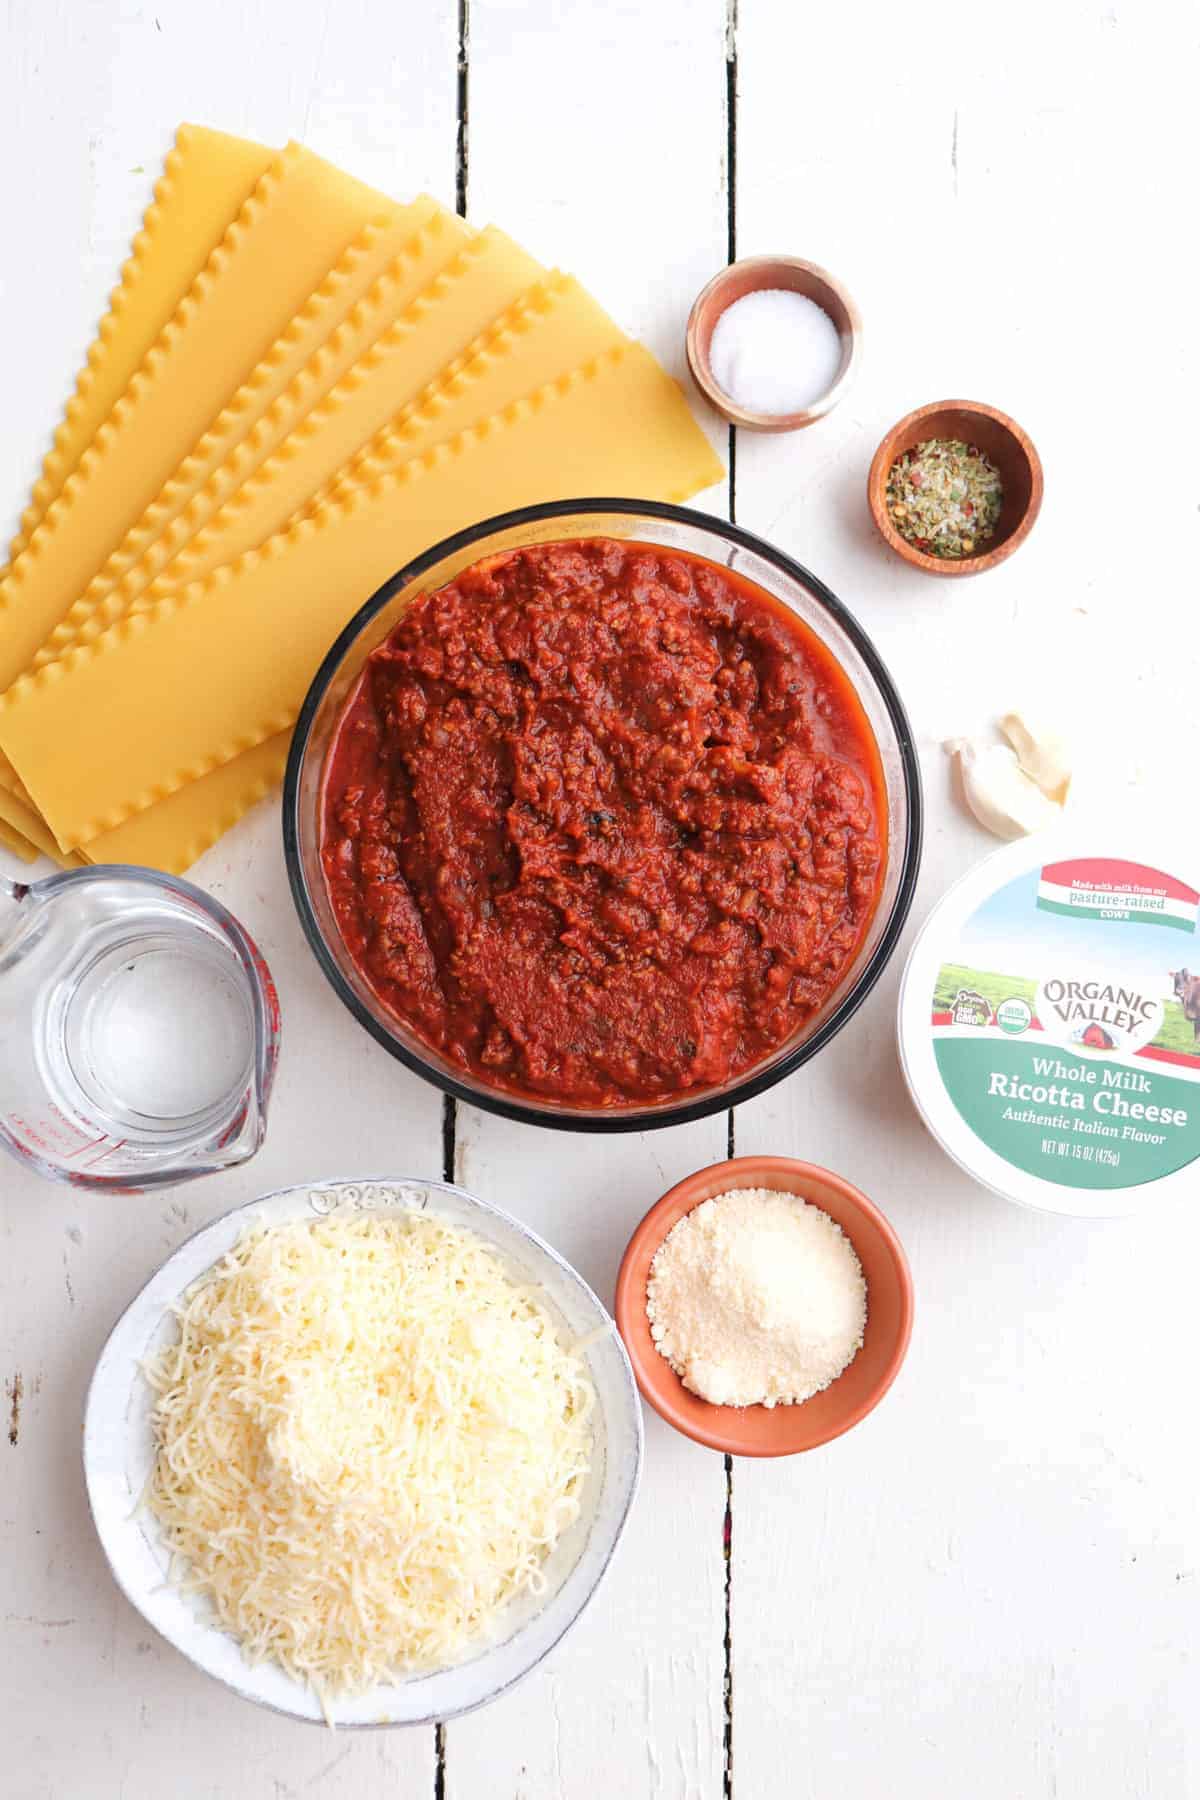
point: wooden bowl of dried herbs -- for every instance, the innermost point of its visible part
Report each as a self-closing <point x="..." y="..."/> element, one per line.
<point x="955" y="487"/>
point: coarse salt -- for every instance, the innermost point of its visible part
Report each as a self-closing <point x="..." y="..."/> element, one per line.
<point x="757" y="1297"/>
<point x="774" y="351"/>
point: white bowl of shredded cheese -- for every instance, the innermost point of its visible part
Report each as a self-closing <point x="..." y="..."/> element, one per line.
<point x="363" y="1451"/>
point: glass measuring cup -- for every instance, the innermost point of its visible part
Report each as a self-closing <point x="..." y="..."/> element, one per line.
<point x="139" y="1030"/>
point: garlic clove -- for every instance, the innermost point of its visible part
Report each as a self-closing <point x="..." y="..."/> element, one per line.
<point x="1002" y="796"/>
<point x="1042" y="752"/>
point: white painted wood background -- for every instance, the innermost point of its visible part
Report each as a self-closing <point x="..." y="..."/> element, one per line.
<point x="992" y="1587"/>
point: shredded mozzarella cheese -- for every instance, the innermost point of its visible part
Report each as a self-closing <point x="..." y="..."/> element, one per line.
<point x="369" y="1440"/>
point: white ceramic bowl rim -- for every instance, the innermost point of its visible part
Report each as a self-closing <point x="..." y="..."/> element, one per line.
<point x="118" y="1451"/>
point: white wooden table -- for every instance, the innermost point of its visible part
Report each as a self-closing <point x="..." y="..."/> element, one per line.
<point x="991" y="1588"/>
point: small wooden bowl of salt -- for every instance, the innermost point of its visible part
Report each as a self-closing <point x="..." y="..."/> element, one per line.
<point x="773" y="342"/>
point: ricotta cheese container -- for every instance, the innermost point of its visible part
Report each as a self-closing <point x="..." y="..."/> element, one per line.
<point x="1050" y="1022"/>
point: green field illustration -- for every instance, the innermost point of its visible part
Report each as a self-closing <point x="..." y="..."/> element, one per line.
<point x="1176" y="1034"/>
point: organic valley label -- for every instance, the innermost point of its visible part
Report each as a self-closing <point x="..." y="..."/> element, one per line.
<point x="1066" y="1033"/>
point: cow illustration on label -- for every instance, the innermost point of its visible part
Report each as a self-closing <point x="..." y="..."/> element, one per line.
<point x="1187" y="992"/>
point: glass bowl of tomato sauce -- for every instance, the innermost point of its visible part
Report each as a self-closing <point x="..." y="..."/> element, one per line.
<point x="603" y="815"/>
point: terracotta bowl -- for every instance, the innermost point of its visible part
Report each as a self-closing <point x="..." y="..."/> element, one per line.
<point x="779" y="1430"/>
<point x="997" y="436"/>
<point x="747" y="277"/>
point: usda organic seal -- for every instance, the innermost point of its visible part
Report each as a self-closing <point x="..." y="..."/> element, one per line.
<point x="1014" y="1016"/>
<point x="1050" y="1024"/>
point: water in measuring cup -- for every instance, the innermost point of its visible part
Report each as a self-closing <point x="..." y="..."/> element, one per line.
<point x="148" y="1035"/>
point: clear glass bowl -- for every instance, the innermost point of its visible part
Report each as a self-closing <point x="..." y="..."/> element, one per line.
<point x="673" y="528"/>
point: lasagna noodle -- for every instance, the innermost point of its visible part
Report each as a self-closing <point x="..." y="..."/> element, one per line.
<point x="382" y="361"/>
<point x="408" y="361"/>
<point x="379" y="275"/>
<point x="12" y="840"/>
<point x="283" y="604"/>
<point x="178" y="830"/>
<point x="206" y="180"/>
<point x="552" y="329"/>
<point x="19" y="816"/>
<point x="548" y="331"/>
<point x="295" y="225"/>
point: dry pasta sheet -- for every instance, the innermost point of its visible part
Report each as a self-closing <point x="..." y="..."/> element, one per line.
<point x="300" y="218"/>
<point x="282" y="605"/>
<point x="207" y="179"/>
<point x="379" y="276"/>
<point x="299" y="386"/>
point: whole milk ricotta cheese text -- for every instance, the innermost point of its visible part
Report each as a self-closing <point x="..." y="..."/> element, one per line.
<point x="1050" y="1023"/>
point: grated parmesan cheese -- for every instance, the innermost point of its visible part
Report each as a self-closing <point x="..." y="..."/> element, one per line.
<point x="369" y="1440"/>
<point x="757" y="1298"/>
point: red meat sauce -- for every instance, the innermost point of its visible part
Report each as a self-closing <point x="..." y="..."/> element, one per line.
<point x="603" y="823"/>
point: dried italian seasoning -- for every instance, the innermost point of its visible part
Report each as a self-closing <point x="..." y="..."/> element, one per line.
<point x="944" y="497"/>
